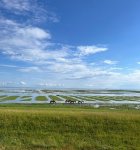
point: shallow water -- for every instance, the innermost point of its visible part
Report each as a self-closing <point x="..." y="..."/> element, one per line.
<point x="38" y="92"/>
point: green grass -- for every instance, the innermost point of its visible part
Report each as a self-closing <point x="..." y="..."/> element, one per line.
<point x="9" y="98"/>
<point x="41" y="127"/>
<point x="25" y="96"/>
<point x="2" y="96"/>
<point x="82" y="98"/>
<point x="27" y="99"/>
<point x="68" y="97"/>
<point x="41" y="98"/>
<point x="55" y="98"/>
<point x="108" y="98"/>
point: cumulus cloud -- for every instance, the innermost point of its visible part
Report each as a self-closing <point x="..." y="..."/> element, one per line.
<point x="34" y="44"/>
<point x="29" y="43"/>
<point x="110" y="62"/>
<point x="87" y="50"/>
<point x="33" y="32"/>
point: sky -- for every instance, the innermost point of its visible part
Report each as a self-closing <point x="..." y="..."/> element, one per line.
<point x="92" y="44"/>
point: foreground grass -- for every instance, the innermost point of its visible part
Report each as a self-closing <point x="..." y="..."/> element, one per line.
<point x="38" y="127"/>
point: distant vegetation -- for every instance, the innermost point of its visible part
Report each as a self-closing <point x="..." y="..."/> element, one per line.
<point x="10" y="98"/>
<point x="25" y="96"/>
<point x="1" y="96"/>
<point x="27" y="99"/>
<point x="55" y="98"/>
<point x="68" y="98"/>
<point x="108" y="98"/>
<point x="41" y="98"/>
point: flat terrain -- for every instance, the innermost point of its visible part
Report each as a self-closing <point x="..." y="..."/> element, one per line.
<point x="87" y="99"/>
<point x="100" y="97"/>
<point x="41" y="98"/>
<point x="68" y="127"/>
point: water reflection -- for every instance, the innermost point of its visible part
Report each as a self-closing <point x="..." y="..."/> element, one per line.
<point x="77" y="94"/>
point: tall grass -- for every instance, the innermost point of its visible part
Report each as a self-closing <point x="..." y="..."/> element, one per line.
<point x="68" y="128"/>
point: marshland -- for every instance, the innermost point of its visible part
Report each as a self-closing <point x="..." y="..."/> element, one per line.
<point x="29" y="121"/>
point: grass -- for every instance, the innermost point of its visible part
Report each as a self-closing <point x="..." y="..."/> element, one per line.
<point x="25" y="96"/>
<point x="9" y="98"/>
<point x="68" y="98"/>
<point x="55" y="98"/>
<point x="27" y="99"/>
<point x="2" y="96"/>
<point x="108" y="98"/>
<point x="41" y="98"/>
<point x="82" y="98"/>
<point x="41" y="127"/>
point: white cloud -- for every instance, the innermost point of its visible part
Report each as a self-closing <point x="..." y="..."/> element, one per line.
<point x="32" y="10"/>
<point x="79" y="70"/>
<point x="9" y="66"/>
<point x="138" y="62"/>
<point x="29" y="44"/>
<point x="87" y="50"/>
<point x="20" y="5"/>
<point x="23" y="83"/>
<point x="12" y="83"/>
<point x="49" y="84"/>
<point x="33" y="45"/>
<point x="34" y="32"/>
<point x="110" y="62"/>
<point x="30" y="69"/>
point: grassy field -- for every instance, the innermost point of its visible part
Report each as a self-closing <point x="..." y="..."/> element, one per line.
<point x="68" y="127"/>
<point x="41" y="98"/>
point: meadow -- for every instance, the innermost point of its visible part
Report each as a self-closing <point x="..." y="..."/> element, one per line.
<point x="68" y="127"/>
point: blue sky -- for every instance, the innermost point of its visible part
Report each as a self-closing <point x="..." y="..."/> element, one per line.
<point x="70" y="44"/>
